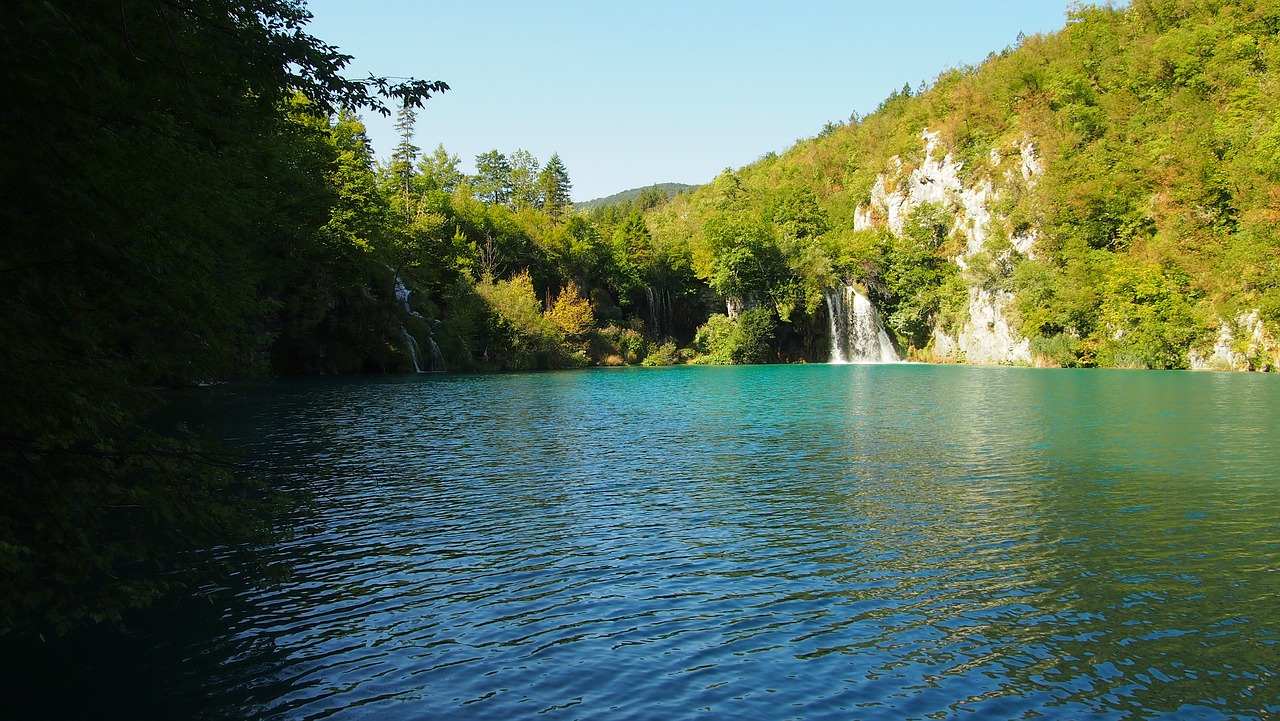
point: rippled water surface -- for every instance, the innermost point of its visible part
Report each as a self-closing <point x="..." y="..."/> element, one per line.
<point x="869" y="542"/>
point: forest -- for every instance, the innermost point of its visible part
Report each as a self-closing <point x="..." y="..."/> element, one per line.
<point x="191" y="198"/>
<point x="1125" y="174"/>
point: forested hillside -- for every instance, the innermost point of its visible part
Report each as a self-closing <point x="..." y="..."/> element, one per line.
<point x="1105" y="195"/>
<point x="1102" y="196"/>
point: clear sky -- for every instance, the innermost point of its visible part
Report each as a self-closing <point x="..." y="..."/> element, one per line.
<point x="635" y="93"/>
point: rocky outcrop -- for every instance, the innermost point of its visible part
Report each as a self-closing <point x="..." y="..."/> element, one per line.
<point x="1242" y="345"/>
<point x="986" y="336"/>
<point x="736" y="306"/>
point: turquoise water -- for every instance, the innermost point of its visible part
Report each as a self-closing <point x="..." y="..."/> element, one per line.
<point x="870" y="542"/>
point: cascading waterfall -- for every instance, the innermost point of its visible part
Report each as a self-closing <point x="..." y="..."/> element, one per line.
<point x="436" y="362"/>
<point x="669" y="314"/>
<point x="655" y="325"/>
<point x="402" y="295"/>
<point x="437" y="358"/>
<point x="660" y="314"/>
<point x="857" y="335"/>
<point x="414" y="352"/>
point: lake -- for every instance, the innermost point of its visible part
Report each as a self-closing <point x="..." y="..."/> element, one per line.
<point x="769" y="542"/>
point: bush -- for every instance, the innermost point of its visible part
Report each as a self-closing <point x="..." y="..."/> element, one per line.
<point x="664" y="355"/>
<point x="614" y="345"/>
<point x="755" y="336"/>
<point x="1061" y="350"/>
<point x="749" y="339"/>
<point x="715" y="341"/>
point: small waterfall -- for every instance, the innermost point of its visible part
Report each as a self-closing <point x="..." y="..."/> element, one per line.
<point x="655" y="312"/>
<point x="435" y="363"/>
<point x="402" y="295"/>
<point x="857" y="335"/>
<point x="669" y="315"/>
<point x="414" y="352"/>
<point x="437" y="358"/>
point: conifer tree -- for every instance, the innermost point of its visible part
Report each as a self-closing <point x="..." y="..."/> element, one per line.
<point x="554" y="187"/>
<point x="440" y="170"/>
<point x="405" y="155"/>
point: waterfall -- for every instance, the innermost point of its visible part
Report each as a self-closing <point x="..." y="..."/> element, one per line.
<point x="857" y="335"/>
<point x="435" y="363"/>
<point x="655" y="312"/>
<point x="414" y="352"/>
<point x="402" y="295"/>
<point x="669" y="315"/>
<point x="437" y="358"/>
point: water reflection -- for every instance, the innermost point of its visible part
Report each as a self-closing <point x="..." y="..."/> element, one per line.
<point x="869" y="541"/>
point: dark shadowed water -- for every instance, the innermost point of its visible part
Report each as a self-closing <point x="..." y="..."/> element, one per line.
<point x="848" y="542"/>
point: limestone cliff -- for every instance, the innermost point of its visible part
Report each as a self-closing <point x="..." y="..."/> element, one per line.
<point x="1241" y="345"/>
<point x="986" y="336"/>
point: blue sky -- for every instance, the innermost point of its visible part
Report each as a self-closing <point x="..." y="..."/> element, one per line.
<point x="635" y="93"/>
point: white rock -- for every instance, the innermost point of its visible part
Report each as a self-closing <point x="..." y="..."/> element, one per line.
<point x="987" y="337"/>
<point x="1225" y="353"/>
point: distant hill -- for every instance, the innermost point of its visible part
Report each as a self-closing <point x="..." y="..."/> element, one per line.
<point x="668" y="189"/>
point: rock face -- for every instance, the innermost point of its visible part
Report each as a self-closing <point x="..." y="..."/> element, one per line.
<point x="1241" y="345"/>
<point x="987" y="336"/>
<point x="735" y="306"/>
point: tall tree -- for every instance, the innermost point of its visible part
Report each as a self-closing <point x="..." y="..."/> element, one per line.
<point x="524" y="180"/>
<point x="554" y="187"/>
<point x="440" y="170"/>
<point x="404" y="157"/>
<point x="493" y="178"/>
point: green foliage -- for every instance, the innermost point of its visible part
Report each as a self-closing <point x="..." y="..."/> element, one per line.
<point x="664" y="355"/>
<point x="644" y="198"/>
<point x="716" y="341"/>
<point x="725" y="341"/>
<point x="756" y="332"/>
<point x="440" y="170"/>
<point x="531" y="338"/>
<point x="492" y="181"/>
<point x="1147" y="315"/>
<point x="1060" y="351"/>
<point x="169" y="173"/>
<point x="796" y="214"/>
<point x="525" y="172"/>
<point x="747" y="262"/>
<point x="405" y="155"/>
<point x="993" y="267"/>
<point x="614" y="345"/>
<point x="917" y="276"/>
<point x="1158" y="146"/>
<point x="554" y="187"/>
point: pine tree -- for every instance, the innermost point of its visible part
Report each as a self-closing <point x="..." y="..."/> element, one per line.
<point x="554" y="187"/>
<point x="404" y="156"/>
<point x="440" y="170"/>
